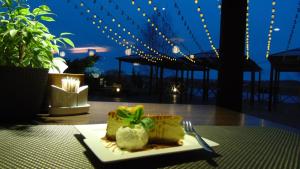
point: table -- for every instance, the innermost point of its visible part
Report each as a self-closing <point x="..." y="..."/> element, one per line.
<point x="61" y="146"/>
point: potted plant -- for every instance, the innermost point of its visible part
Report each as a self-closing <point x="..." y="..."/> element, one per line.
<point x="26" y="53"/>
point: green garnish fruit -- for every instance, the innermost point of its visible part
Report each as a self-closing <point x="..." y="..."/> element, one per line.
<point x="133" y="115"/>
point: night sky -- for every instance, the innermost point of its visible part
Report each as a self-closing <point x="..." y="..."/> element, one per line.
<point x="69" y="19"/>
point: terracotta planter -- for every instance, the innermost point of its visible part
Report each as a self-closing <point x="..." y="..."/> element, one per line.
<point x="22" y="92"/>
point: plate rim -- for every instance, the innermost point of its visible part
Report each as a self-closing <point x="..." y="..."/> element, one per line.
<point x="114" y="158"/>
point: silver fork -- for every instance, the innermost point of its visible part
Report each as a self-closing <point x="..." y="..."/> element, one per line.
<point x="189" y="129"/>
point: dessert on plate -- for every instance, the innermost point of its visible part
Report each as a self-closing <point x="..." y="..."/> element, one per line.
<point x="132" y="129"/>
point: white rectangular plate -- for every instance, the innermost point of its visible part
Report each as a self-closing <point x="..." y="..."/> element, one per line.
<point x="109" y="152"/>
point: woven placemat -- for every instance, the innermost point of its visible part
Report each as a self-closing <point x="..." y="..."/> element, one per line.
<point x="60" y="146"/>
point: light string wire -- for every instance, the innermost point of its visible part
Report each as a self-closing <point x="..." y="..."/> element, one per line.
<point x="158" y="13"/>
<point x="293" y="27"/>
<point x="158" y="31"/>
<point x="115" y="36"/>
<point x="135" y="36"/>
<point x="247" y="30"/>
<point x="271" y="29"/>
<point x="186" y="25"/>
<point x="208" y="34"/>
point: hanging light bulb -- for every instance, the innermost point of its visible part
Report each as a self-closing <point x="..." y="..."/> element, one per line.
<point x="175" y="49"/>
<point x="62" y="53"/>
<point x="192" y="56"/>
<point x="91" y="53"/>
<point x="128" y="52"/>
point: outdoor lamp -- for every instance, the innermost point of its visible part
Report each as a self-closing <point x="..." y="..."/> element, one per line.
<point x="175" y="49"/>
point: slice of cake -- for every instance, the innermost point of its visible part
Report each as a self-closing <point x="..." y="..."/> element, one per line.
<point x="167" y="128"/>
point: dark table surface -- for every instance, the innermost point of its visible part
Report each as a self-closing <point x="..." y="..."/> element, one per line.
<point x="61" y="146"/>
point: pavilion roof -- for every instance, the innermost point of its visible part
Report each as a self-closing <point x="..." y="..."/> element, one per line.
<point x="210" y="60"/>
<point x="179" y="64"/>
<point x="288" y="61"/>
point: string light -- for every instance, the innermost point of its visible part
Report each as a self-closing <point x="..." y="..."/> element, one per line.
<point x="166" y="38"/>
<point x="271" y="29"/>
<point x="185" y="23"/>
<point x="293" y="27"/>
<point x="247" y="30"/>
<point x="115" y="39"/>
<point x="144" y="44"/>
<point x="207" y="31"/>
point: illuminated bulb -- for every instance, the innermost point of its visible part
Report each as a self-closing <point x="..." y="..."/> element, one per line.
<point x="155" y="8"/>
<point x="149" y="2"/>
<point x="128" y="52"/>
<point x="95" y="16"/>
<point x="94" y="22"/>
<point x="124" y="29"/>
<point x="163" y="9"/>
<point x="88" y="11"/>
<point x="152" y="24"/>
<point x="175" y="49"/>
<point x="119" y="25"/>
<point x="138" y="9"/>
<point x="62" y="53"/>
<point x="100" y="21"/>
<point x="81" y="4"/>
<point x="198" y="9"/>
<point x="91" y="53"/>
<point x="132" y="2"/>
<point x="196" y="1"/>
<point x="118" y="89"/>
<point x="276" y="29"/>
<point x="144" y="14"/>
<point x="113" y="20"/>
<point x="149" y="20"/>
<point x="192" y="56"/>
<point x="273" y="3"/>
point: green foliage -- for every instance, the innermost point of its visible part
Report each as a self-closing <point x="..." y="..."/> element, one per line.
<point x="24" y="40"/>
<point x="131" y="119"/>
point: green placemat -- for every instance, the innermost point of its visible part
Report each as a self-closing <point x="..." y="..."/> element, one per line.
<point x="60" y="146"/>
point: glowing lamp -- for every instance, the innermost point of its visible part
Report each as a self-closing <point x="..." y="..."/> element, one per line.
<point x="175" y="49"/>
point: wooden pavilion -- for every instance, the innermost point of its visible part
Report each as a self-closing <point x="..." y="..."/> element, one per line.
<point x="286" y="61"/>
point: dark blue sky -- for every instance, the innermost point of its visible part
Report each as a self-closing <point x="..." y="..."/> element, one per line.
<point x="86" y="34"/>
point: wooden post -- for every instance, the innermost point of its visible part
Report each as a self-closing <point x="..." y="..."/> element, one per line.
<point x="252" y="88"/>
<point x="156" y="78"/>
<point x="192" y="85"/>
<point x="187" y="84"/>
<point x="232" y="49"/>
<point x="150" y="80"/>
<point x="161" y="84"/>
<point x="271" y="89"/>
<point x="259" y="86"/>
<point x="207" y="85"/>
<point x="181" y="85"/>
<point x="204" y="86"/>
<point x="276" y="90"/>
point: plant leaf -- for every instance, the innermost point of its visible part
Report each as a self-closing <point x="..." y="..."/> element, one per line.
<point x="47" y="18"/>
<point x="45" y="8"/>
<point x="138" y="113"/>
<point x="69" y="42"/>
<point x="13" y="32"/>
<point x="148" y="123"/>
